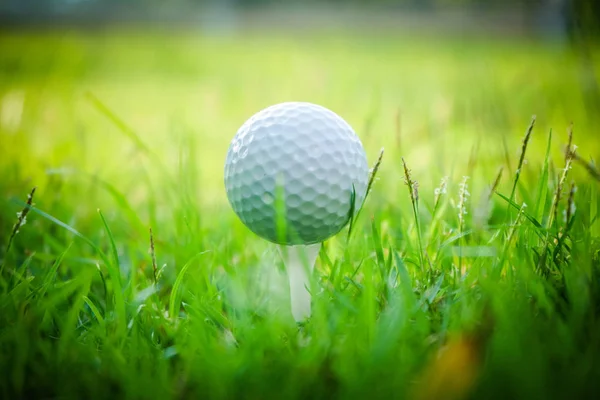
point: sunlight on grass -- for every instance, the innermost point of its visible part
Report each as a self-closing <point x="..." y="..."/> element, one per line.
<point x="480" y="280"/>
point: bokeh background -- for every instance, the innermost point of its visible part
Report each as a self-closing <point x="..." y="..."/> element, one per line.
<point x="128" y="107"/>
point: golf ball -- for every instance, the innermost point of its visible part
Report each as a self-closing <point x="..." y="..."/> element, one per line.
<point x="294" y="171"/>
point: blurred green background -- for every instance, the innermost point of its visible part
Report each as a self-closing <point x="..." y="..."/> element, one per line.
<point x="465" y="77"/>
<point x="129" y="107"/>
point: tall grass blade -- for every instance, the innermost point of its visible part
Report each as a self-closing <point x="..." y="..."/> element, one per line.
<point x="175" y="298"/>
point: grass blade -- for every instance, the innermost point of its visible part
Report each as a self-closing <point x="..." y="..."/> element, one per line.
<point x="114" y="272"/>
<point x="511" y="203"/>
<point x="521" y="160"/>
<point x="542" y="191"/>
<point x="175" y="299"/>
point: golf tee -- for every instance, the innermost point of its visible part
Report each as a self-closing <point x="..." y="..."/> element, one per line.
<point x="299" y="263"/>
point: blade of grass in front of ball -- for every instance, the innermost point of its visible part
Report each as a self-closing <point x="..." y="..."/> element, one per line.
<point x="280" y="211"/>
<point x="300" y="262"/>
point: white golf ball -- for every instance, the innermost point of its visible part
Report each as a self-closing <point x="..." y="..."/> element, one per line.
<point x="291" y="171"/>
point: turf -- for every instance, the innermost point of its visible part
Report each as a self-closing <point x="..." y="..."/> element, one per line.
<point x="472" y="271"/>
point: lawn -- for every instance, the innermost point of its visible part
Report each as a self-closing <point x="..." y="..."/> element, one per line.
<point x="133" y="278"/>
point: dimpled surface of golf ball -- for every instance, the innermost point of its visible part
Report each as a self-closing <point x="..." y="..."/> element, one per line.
<point x="305" y="155"/>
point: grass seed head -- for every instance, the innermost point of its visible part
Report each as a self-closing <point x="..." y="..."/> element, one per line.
<point x="571" y="208"/>
<point x="561" y="183"/>
<point x="373" y="171"/>
<point x="463" y="196"/>
<point x="441" y="190"/>
<point x="21" y="221"/>
<point x="153" y="255"/>
<point x="413" y="186"/>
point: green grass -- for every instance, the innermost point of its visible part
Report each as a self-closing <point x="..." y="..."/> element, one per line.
<point x="125" y="132"/>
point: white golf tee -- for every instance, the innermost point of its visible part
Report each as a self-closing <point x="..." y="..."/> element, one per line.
<point x="299" y="262"/>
